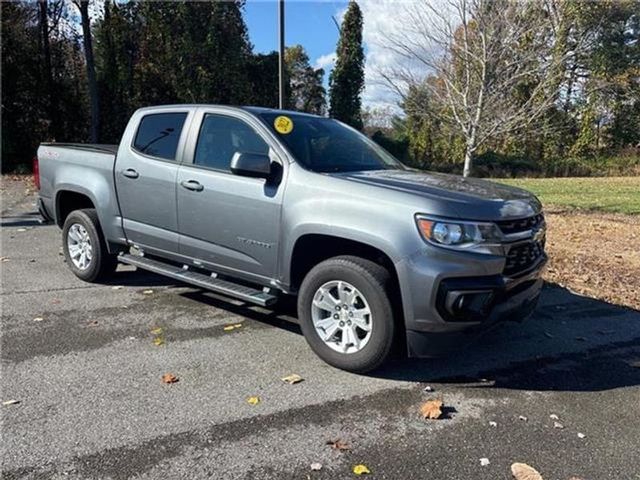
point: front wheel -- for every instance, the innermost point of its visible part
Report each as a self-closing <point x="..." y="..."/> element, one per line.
<point x="345" y="313"/>
<point x="84" y="247"/>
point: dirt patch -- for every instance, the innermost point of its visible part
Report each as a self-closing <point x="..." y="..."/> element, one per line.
<point x="595" y="254"/>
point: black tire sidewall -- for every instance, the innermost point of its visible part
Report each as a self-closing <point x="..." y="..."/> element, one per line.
<point x="382" y="335"/>
<point x="88" y="219"/>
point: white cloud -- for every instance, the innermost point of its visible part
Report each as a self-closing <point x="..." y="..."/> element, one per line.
<point x="384" y="18"/>
<point x="326" y="61"/>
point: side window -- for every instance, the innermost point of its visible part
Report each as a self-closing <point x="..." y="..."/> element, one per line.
<point x="220" y="137"/>
<point x="158" y="134"/>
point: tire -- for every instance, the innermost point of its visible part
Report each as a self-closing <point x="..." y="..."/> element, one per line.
<point x="101" y="264"/>
<point x="372" y="283"/>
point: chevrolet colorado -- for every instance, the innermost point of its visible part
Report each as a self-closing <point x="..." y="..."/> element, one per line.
<point x="255" y="203"/>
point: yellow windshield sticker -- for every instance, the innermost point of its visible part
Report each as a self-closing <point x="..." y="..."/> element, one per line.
<point x="283" y="124"/>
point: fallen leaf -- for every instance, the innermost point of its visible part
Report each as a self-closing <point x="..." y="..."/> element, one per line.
<point x="147" y="292"/>
<point x="361" y="469"/>
<point x="292" y="379"/>
<point x="253" y="400"/>
<point x="484" y="462"/>
<point x="4" y="259"/>
<point x="553" y="416"/>
<point x="581" y="435"/>
<point x="157" y="331"/>
<point x="158" y="341"/>
<point x="316" y="466"/>
<point x="232" y="327"/>
<point x="38" y="319"/>
<point x="522" y="471"/>
<point x="493" y="424"/>
<point x="431" y="409"/>
<point x="557" y="425"/>
<point x="339" y="444"/>
<point x="11" y="402"/>
<point x="169" y="378"/>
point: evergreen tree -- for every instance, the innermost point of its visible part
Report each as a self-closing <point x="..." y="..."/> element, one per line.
<point x="347" y="78"/>
<point x="305" y="82"/>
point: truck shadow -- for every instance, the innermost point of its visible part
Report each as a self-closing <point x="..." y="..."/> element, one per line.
<point x="572" y="343"/>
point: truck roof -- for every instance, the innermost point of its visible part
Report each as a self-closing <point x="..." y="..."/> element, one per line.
<point x="248" y="108"/>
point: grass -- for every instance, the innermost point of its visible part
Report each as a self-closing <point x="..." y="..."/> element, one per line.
<point x="607" y="194"/>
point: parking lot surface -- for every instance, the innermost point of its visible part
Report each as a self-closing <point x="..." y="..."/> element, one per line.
<point x="84" y="362"/>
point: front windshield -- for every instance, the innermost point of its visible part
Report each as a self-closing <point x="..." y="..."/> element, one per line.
<point x="325" y="145"/>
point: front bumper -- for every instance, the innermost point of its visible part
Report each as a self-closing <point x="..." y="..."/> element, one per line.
<point x="450" y="299"/>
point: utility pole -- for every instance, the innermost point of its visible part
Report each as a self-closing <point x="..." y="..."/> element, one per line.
<point x="281" y="56"/>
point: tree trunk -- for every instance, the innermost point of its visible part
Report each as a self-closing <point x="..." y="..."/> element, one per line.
<point x="468" y="159"/>
<point x="49" y="96"/>
<point x="83" y="5"/>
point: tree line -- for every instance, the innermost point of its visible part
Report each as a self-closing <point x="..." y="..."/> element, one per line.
<point x="542" y="87"/>
<point x="71" y="78"/>
<point x="547" y="87"/>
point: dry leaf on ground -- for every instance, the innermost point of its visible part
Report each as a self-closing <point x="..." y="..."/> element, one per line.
<point x="339" y="444"/>
<point x="292" y="379"/>
<point x="38" y="319"/>
<point x="431" y="409"/>
<point x="4" y="259"/>
<point x="484" y="462"/>
<point x="158" y="341"/>
<point x="147" y="292"/>
<point x="228" y="328"/>
<point x="316" y="466"/>
<point x="169" y="378"/>
<point x="253" y="400"/>
<point x="522" y="471"/>
<point x="156" y="331"/>
<point x="361" y="469"/>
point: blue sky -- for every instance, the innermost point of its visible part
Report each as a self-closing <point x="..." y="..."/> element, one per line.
<point x="308" y="23"/>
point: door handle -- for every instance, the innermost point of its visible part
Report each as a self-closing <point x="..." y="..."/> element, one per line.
<point x="130" y="173"/>
<point x="192" y="185"/>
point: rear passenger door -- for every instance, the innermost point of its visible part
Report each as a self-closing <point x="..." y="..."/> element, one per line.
<point x="229" y="222"/>
<point x="145" y="177"/>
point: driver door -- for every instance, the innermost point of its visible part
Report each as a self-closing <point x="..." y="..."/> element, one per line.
<point x="228" y="222"/>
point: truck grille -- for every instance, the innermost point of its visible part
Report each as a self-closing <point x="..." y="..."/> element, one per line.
<point x="520" y="225"/>
<point x="523" y="256"/>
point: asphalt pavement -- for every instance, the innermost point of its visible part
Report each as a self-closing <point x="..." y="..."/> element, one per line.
<point x="83" y="397"/>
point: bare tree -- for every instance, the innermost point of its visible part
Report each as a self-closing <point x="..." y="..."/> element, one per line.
<point x="83" y="6"/>
<point x="487" y="66"/>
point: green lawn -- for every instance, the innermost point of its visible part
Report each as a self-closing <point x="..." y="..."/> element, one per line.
<point x="609" y="194"/>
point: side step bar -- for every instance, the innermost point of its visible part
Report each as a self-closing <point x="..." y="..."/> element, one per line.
<point x="224" y="287"/>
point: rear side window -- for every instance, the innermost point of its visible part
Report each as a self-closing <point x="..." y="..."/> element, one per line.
<point x="158" y="134"/>
<point x="220" y="137"/>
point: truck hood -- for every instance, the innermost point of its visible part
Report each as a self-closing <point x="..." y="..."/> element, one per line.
<point x="470" y="198"/>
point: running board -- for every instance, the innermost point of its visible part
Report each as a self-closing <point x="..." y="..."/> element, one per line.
<point x="217" y="285"/>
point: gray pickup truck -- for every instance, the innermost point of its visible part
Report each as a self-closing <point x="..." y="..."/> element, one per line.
<point x="256" y="203"/>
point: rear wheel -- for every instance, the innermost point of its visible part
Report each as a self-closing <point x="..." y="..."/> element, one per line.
<point x="85" y="248"/>
<point x="345" y="313"/>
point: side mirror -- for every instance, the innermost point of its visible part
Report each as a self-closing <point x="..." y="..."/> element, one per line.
<point x="251" y="165"/>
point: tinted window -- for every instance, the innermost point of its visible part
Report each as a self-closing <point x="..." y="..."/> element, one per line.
<point x="158" y="134"/>
<point x="221" y="137"/>
<point x="325" y="145"/>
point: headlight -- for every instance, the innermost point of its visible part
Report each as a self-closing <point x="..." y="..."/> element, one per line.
<point x="459" y="235"/>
